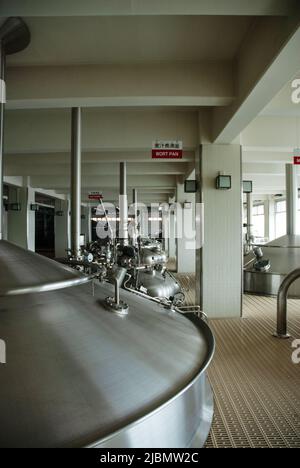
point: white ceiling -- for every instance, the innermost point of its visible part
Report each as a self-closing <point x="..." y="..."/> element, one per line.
<point x="138" y="39"/>
<point x="182" y="42"/>
<point x="146" y="7"/>
<point x="282" y="105"/>
<point x="269" y="143"/>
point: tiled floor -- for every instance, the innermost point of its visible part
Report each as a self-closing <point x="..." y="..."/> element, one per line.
<point x="187" y="282"/>
<point x="255" y="383"/>
<point x="172" y="265"/>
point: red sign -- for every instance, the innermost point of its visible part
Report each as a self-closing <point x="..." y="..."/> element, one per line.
<point x="167" y="149"/>
<point x="297" y="160"/>
<point x="166" y="154"/>
<point x="95" y="196"/>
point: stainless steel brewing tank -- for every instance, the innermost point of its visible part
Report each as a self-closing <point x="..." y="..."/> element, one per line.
<point x="153" y="257"/>
<point x="78" y="375"/>
<point x="158" y="284"/>
<point x="284" y="256"/>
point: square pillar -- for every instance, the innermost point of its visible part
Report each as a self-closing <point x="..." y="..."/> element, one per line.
<point x="186" y="238"/>
<point x="30" y="219"/>
<point x="17" y="221"/>
<point x="172" y="231"/>
<point x="291" y="199"/>
<point x="219" y="261"/>
<point x="86" y="223"/>
<point x="272" y="220"/>
<point x="61" y="227"/>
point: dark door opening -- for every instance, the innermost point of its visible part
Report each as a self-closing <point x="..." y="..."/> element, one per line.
<point x="44" y="232"/>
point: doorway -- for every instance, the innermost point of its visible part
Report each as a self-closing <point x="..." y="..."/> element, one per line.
<point x="45" y="226"/>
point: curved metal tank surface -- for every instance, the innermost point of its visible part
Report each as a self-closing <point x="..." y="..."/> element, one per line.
<point x="24" y="272"/>
<point x="78" y="375"/>
<point x="157" y="284"/>
<point x="284" y="255"/>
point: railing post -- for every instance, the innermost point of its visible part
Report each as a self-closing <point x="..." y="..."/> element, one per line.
<point x="282" y="296"/>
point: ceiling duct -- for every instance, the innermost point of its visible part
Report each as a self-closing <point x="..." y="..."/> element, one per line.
<point x="14" y="35"/>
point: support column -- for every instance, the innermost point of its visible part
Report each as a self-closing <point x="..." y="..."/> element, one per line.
<point x="267" y="219"/>
<point x="2" y="102"/>
<point x="30" y="216"/>
<point x="186" y="242"/>
<point x="89" y="214"/>
<point x="86" y="223"/>
<point x="134" y="196"/>
<point x="172" y="232"/>
<point x="135" y="232"/>
<point x="18" y="220"/>
<point x="14" y="37"/>
<point x="123" y="202"/>
<point x="291" y="199"/>
<point x="219" y="261"/>
<point x="271" y="215"/>
<point x="61" y="227"/>
<point x="249" y="216"/>
<point x="76" y="181"/>
<point x="165" y="217"/>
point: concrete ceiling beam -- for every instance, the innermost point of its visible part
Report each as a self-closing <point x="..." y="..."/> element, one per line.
<point x="48" y="130"/>
<point x="57" y="182"/>
<point x="145" y="7"/>
<point x="103" y="169"/>
<point x="144" y="85"/>
<point x="268" y="59"/>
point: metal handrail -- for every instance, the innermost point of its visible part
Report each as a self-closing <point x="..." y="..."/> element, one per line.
<point x="284" y="246"/>
<point x="192" y="309"/>
<point x="47" y="286"/>
<point x="282" y="296"/>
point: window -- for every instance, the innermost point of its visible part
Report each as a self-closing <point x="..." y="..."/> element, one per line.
<point x="259" y="221"/>
<point x="280" y="218"/>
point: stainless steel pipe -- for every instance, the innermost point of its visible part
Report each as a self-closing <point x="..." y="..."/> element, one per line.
<point x="119" y="277"/>
<point x="115" y="304"/>
<point x="76" y="181"/>
<point x="282" y="304"/>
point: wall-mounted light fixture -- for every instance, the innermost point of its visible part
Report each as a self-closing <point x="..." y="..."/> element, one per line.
<point x="223" y="182"/>
<point x="190" y="186"/>
<point x="247" y="186"/>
